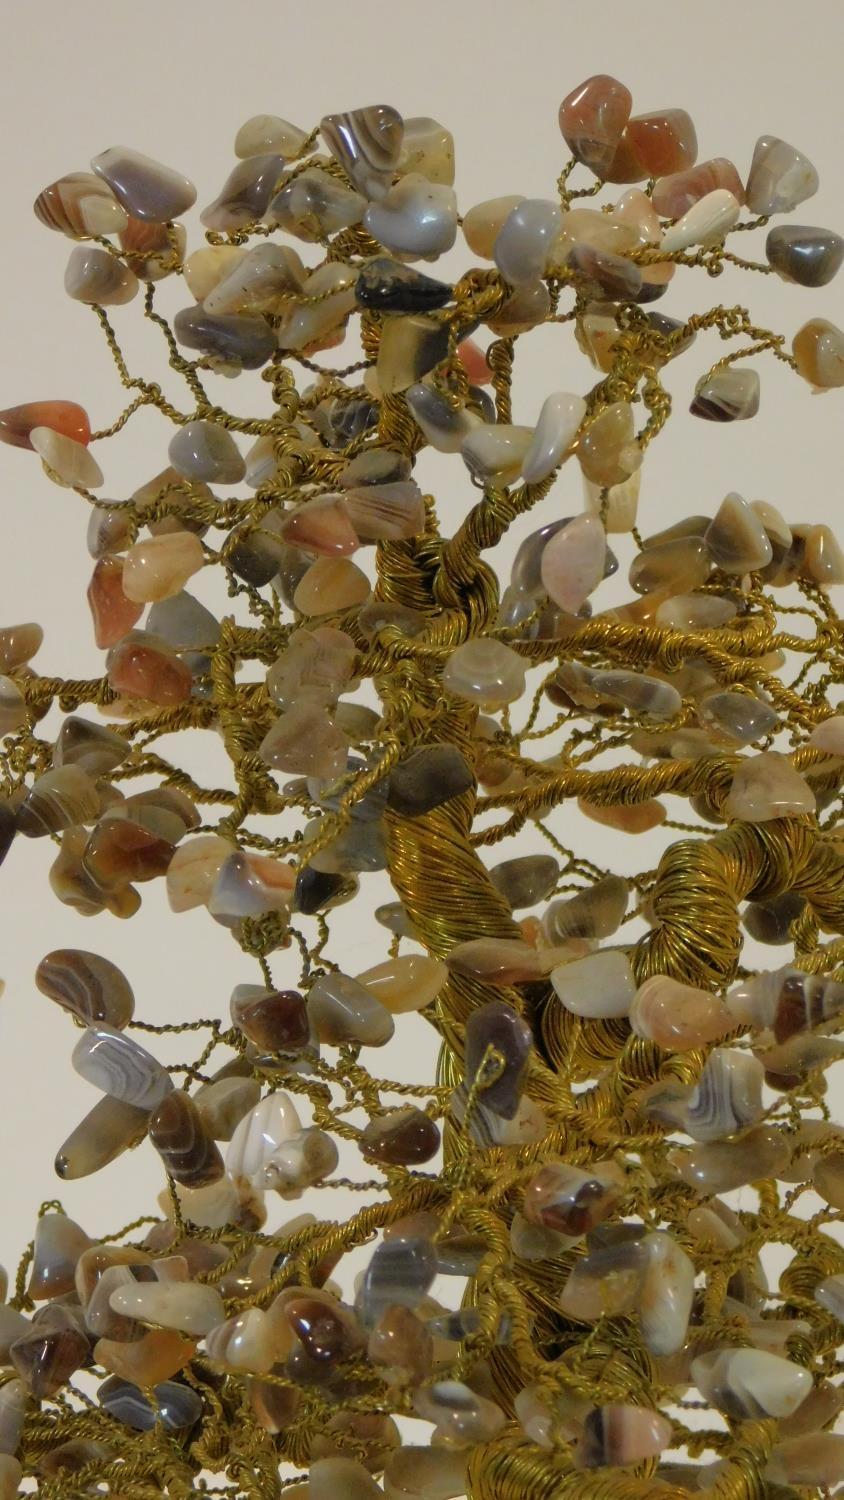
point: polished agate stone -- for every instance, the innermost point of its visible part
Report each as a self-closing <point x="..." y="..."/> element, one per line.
<point x="177" y="1130"/>
<point x="342" y="1010"/>
<point x="367" y="143"/>
<point x="78" y="205"/>
<point x="430" y="776"/>
<point x="237" y="339"/>
<point x="65" y="417"/>
<point x="485" y="671"/>
<point x="601" y="984"/>
<point x="592" y="119"/>
<point x="66" y="460"/>
<point x="767" y="786"/>
<point x="780" y="177"/>
<point x="90" y="987"/>
<point x="145" y="188"/>
<point x="202" y="450"/>
<point x="95" y="277"/>
<point x="121" y="1067"/>
<point x="818" y="348"/>
<point x="809" y="256"/>
<point x="245" y="193"/>
<point x="525" y="240"/>
<point x="402" y="1137"/>
<point x="58" y="1244"/>
<point x="730" y="395"/>
<point x="314" y="204"/>
<point x="653" y="145"/>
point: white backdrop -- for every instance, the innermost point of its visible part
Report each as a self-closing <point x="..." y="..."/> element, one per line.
<point x="176" y="81"/>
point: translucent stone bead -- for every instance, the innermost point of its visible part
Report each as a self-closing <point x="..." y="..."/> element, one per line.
<point x="498" y="960"/>
<point x="90" y="987"/>
<point x="494" y="454"/>
<point x="261" y="281"/>
<point x="275" y="1020"/>
<point x="13" y="714"/>
<point x="408" y="982"/>
<point x="736" y="539"/>
<point x="829" y="735"/>
<point x="302" y="1161"/>
<point x="321" y="527"/>
<point x="367" y="143"/>
<point x="818" y="348"/>
<point x="174" y="1405"/>
<point x="462" y="1418"/>
<point x="374" y="466"/>
<point x="770" y="921"/>
<point x="234" y="338"/>
<point x="640" y="817"/>
<point x="721" y="1166"/>
<point x="645" y="695"/>
<point x="808" y="256"/>
<point x="262" y="133"/>
<point x="159" y="566"/>
<point x="673" y="196"/>
<point x="153" y="250"/>
<point x="823" y="559"/>
<point x="654" y="145"/>
<point x="386" y="512"/>
<point x="58" y="799"/>
<point x="245" y="194"/>
<point x="109" y="1129"/>
<point x="413" y="1473"/>
<point x="526" y="880"/>
<point x="572" y="1200"/>
<point x="94" y="276"/>
<point x="599" y="985"/>
<point x="304" y="740"/>
<point x="314" y="204"/>
<point x="750" y="1382"/>
<point x="486" y="672"/>
<point x="11" y="1474"/>
<point x="258" y="1135"/>
<point x="223" y="1102"/>
<point x="608" y="275"/>
<point x="343" y="1011"/>
<point x="559" y="420"/>
<point x="193" y="870"/>
<point x="709" y="220"/>
<point x="113" y="613"/>
<point x="526" y="307"/>
<point x="592" y="119"/>
<point x="203" y="450"/>
<point x="145" y="188"/>
<point x="786" y="1001"/>
<point x="616" y="1435"/>
<point x="675" y="566"/>
<point x="247" y="885"/>
<point x="206" y="268"/>
<point x="183" y="1306"/>
<point x="688" y="612"/>
<point x="728" y="395"/>
<point x="483" y="223"/>
<point x="607" y="448"/>
<point x="79" y="204"/>
<point x="739" y="716"/>
<point x="402" y="1137"/>
<point x="59" y="1242"/>
<point x="393" y="287"/>
<point x="767" y="786"/>
<point x="497" y="1025"/>
<point x="50" y="1352"/>
<point x="121" y="1067"/>
<point x="415" y="217"/>
<point x="811" y="1460"/>
<point x="526" y="239"/>
<point x="92" y="747"/>
<point x="178" y="1133"/>
<point x="428" y="148"/>
<point x="13" y="1406"/>
<point x="410" y="348"/>
<point x="332" y="1478"/>
<point x="67" y="461"/>
<point x="445" y="426"/>
<point x="572" y="563"/>
<point x="677" y="1016"/>
<point x="780" y="177"/>
<point x="404" y="1344"/>
<point x="65" y="417"/>
<point x="330" y="586"/>
<point x="427" y="777"/>
<point x="596" y="912"/>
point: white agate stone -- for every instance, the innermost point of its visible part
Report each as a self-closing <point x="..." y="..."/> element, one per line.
<point x="258" y="1135"/>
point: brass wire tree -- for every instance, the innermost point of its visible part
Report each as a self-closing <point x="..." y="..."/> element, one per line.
<point x="611" y="1072"/>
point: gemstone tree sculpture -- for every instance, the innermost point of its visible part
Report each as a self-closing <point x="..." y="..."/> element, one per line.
<point x="610" y="1069"/>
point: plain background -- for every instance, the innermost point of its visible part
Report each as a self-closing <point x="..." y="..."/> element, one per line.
<point x="176" y="81"/>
